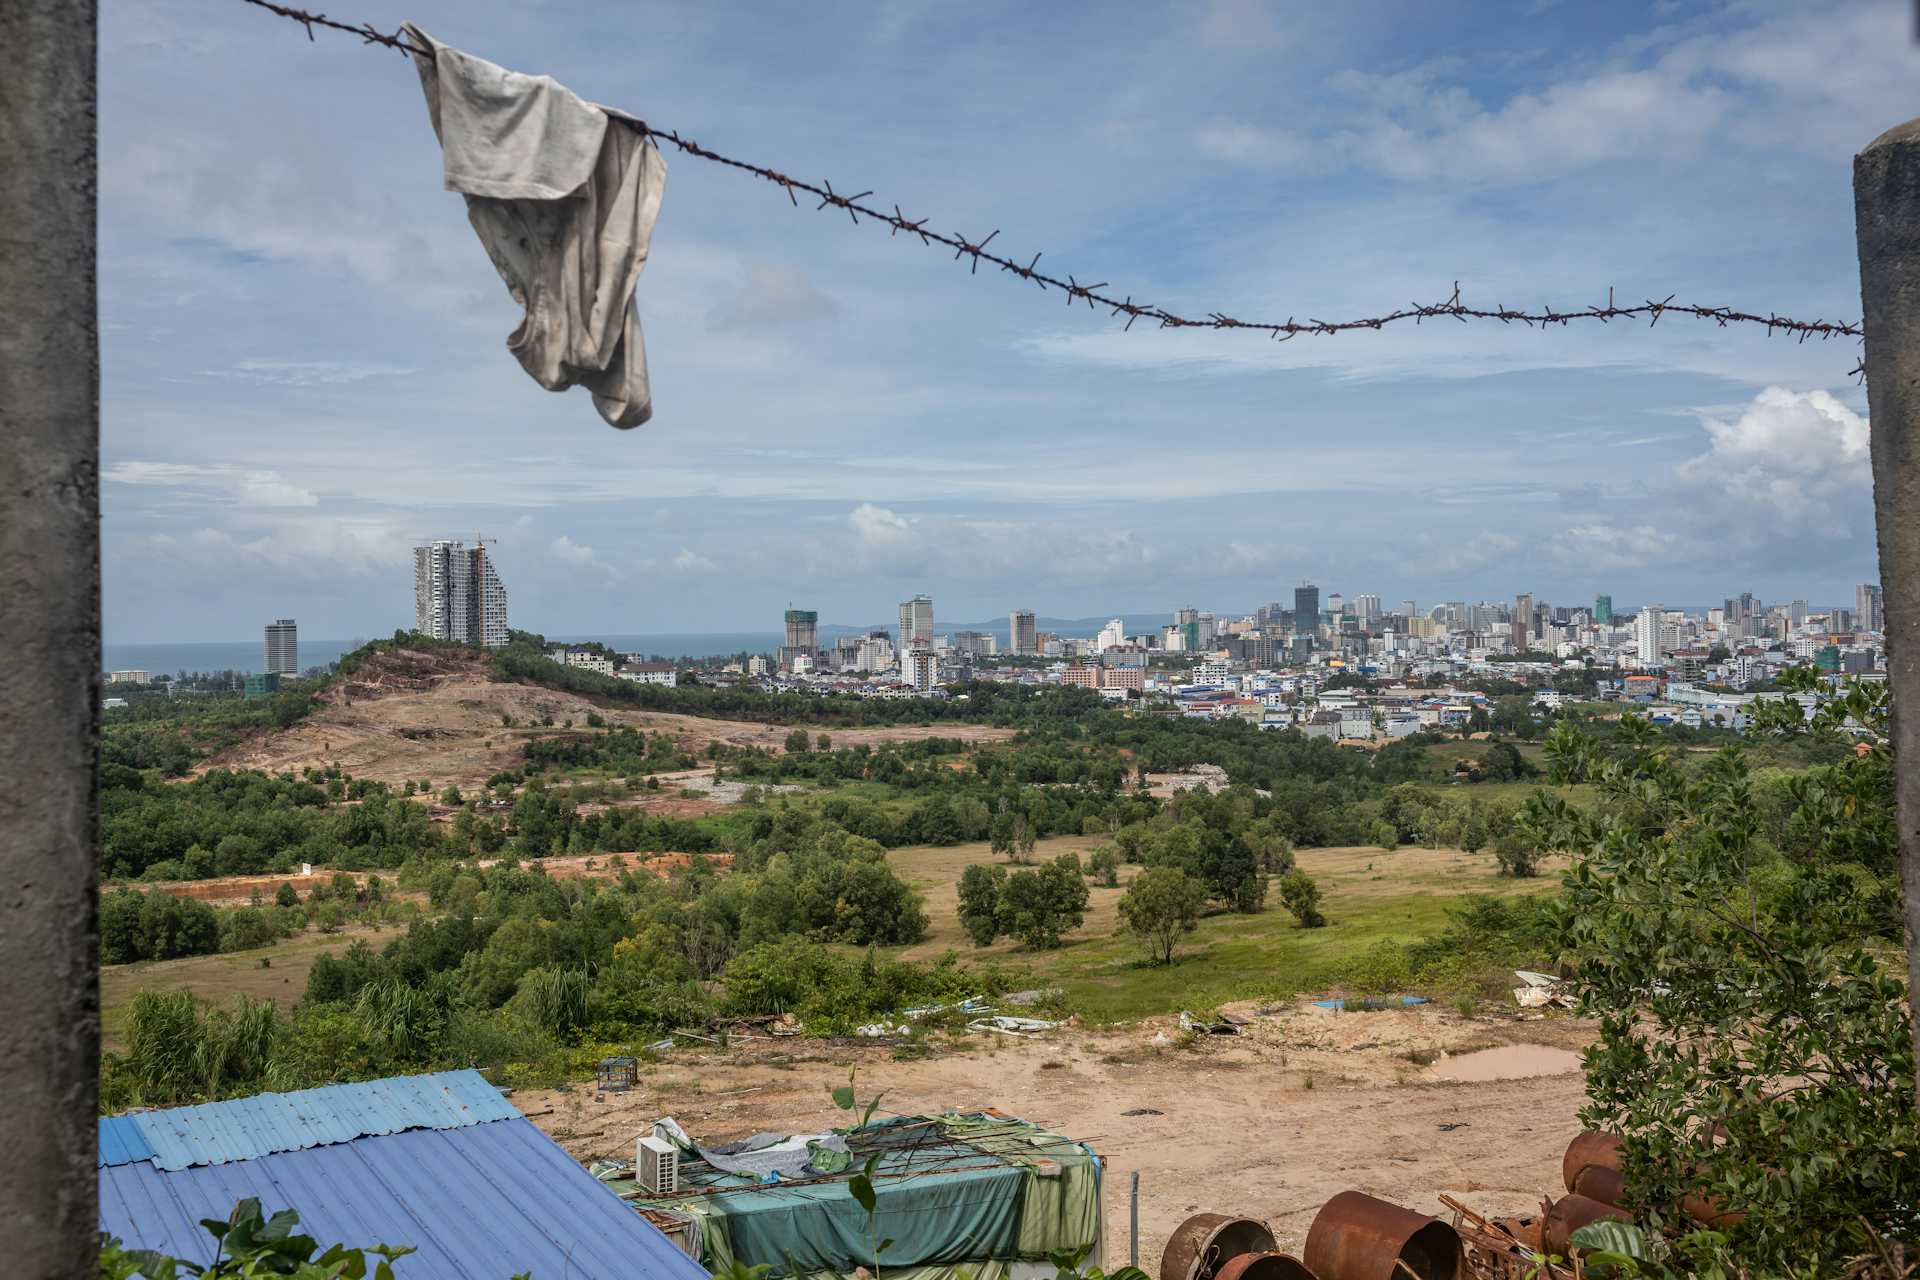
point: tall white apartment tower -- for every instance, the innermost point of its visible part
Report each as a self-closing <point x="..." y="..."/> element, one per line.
<point x="283" y="648"/>
<point x="1649" y="635"/>
<point x="457" y="595"/>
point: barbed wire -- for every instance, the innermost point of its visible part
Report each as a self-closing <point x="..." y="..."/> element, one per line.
<point x="976" y="252"/>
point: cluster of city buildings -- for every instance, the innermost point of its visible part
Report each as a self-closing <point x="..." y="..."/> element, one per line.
<point x="1690" y="666"/>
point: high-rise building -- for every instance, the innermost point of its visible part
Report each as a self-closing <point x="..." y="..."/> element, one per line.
<point x="1649" y="635"/>
<point x="1408" y="609"/>
<point x="1522" y="623"/>
<point x="457" y="595"/>
<point x="920" y="669"/>
<point x="916" y="623"/>
<point x="1306" y="609"/>
<point x="972" y="644"/>
<point x="1368" y="607"/>
<point x="1112" y="636"/>
<point x="802" y="638"/>
<point x="1603" y="609"/>
<point x="1868" y="608"/>
<point x="1022" y="636"/>
<point x="283" y="648"/>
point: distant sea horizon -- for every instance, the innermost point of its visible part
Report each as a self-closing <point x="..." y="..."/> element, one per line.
<point x="250" y="655"/>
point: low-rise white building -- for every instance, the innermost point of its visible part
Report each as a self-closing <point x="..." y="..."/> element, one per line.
<point x="586" y="660"/>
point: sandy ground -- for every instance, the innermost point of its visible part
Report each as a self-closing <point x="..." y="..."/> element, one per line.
<point x="1269" y="1124"/>
<point x="438" y="718"/>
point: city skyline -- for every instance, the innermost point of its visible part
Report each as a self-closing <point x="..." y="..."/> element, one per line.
<point x="843" y="420"/>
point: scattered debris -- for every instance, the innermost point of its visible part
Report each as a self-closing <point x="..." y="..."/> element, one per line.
<point x="877" y="1030"/>
<point x="1224" y="1025"/>
<point x="972" y="1004"/>
<point x="1541" y="991"/>
<point x="1006" y="1024"/>
<point x="1143" y="1111"/>
<point x="1451" y="1125"/>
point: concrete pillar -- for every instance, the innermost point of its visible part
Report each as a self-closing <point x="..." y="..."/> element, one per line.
<point x="1886" y="214"/>
<point x="49" y="639"/>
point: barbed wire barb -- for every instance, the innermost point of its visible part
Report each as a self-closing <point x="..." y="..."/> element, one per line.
<point x="1092" y="294"/>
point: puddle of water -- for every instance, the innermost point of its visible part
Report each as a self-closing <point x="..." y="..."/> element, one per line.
<point x="1508" y="1062"/>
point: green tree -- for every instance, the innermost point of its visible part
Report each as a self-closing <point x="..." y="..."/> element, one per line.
<point x="1041" y="905"/>
<point x="1516" y="854"/>
<point x="1756" y="1051"/>
<point x="1104" y="865"/>
<point x="798" y="743"/>
<point x="1160" y="907"/>
<point x="1300" y="895"/>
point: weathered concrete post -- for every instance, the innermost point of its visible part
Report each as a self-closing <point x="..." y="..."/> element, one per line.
<point x="50" y="636"/>
<point x="1886" y="215"/>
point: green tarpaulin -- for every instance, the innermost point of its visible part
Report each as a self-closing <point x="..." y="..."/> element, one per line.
<point x="949" y="1189"/>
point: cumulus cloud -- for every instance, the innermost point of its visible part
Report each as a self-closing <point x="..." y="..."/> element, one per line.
<point x="691" y="561"/>
<point x="244" y="487"/>
<point x="1611" y="547"/>
<point x="879" y="527"/>
<point x="1792" y="462"/>
<point x="308" y="547"/>
<point x="566" y="549"/>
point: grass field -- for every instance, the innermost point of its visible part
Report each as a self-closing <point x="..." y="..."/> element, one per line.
<point x="1368" y="895"/>
<point x="222" y="977"/>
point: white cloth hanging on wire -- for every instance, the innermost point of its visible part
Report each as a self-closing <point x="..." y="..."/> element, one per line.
<point x="564" y="202"/>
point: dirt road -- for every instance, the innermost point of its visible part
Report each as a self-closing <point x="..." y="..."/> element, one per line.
<point x="1269" y="1124"/>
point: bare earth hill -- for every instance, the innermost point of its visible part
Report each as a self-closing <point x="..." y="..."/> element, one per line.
<point x="438" y="716"/>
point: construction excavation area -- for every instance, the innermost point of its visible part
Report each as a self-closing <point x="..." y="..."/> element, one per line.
<point x="1306" y="1142"/>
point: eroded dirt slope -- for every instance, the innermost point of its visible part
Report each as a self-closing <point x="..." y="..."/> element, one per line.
<point x="439" y="717"/>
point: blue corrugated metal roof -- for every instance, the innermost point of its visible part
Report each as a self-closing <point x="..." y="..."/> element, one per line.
<point x="246" y="1128"/>
<point x="121" y="1141"/>
<point x="485" y="1200"/>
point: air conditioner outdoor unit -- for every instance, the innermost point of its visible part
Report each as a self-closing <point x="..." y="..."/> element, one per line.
<point x="656" y="1163"/>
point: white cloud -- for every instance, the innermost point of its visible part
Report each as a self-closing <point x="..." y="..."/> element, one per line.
<point x="1793" y="462"/>
<point x="690" y="561"/>
<point x="311" y="548"/>
<point x="566" y="549"/>
<point x="1562" y="128"/>
<point x="1610" y="547"/>
<point x="879" y="527"/>
<point x="247" y="488"/>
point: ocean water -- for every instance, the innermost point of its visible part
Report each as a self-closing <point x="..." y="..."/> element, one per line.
<point x="250" y="655"/>
<point x="216" y="655"/>
<point x="688" y="644"/>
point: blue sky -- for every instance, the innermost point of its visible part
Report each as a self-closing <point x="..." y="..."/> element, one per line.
<point x="304" y="370"/>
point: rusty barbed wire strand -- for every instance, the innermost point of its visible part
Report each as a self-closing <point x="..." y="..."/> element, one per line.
<point x="1281" y="331"/>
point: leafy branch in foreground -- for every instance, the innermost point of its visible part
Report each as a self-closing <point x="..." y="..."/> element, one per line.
<point x="247" y="1245"/>
<point x="1738" y="934"/>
